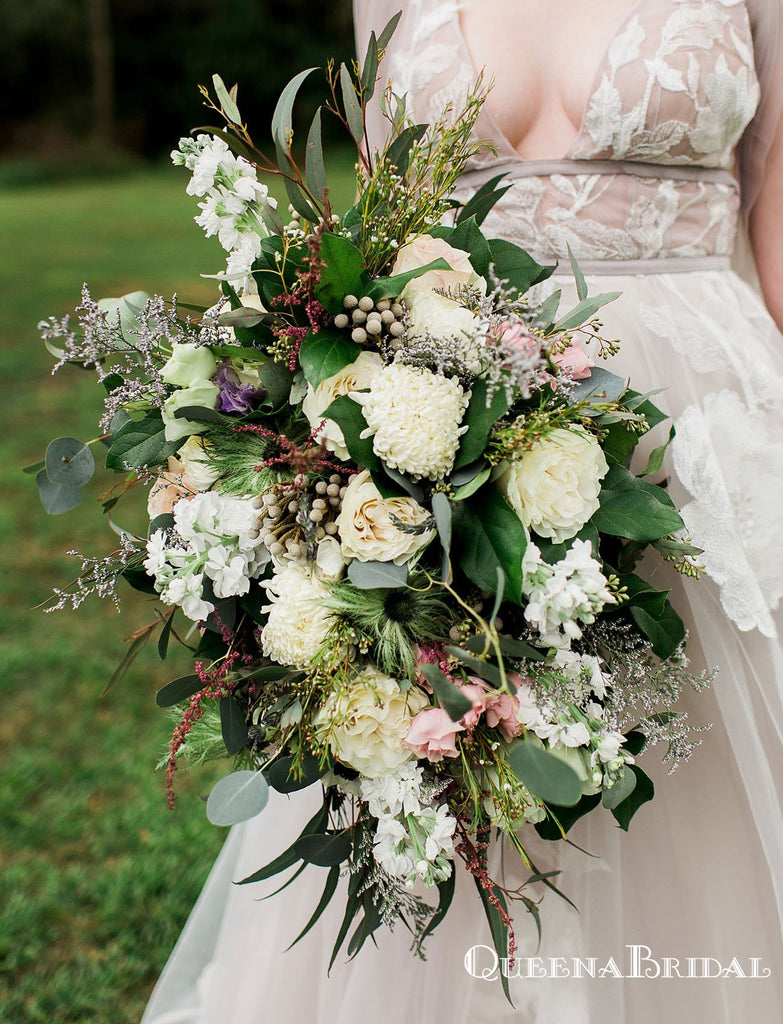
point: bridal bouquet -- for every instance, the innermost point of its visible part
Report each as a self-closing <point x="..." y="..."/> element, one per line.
<point x="391" y="514"/>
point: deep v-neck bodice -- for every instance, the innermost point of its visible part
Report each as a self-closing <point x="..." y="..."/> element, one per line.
<point x="502" y="143"/>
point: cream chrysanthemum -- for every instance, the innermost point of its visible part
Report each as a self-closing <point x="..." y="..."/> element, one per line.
<point x="298" y="620"/>
<point x="415" y="415"/>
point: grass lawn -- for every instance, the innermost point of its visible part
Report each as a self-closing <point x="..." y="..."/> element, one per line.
<point x="96" y="875"/>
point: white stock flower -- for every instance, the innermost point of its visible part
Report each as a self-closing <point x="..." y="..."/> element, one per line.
<point x="366" y="724"/>
<point x="562" y="595"/>
<point x="366" y="524"/>
<point x="395" y="793"/>
<point x="554" y="486"/>
<point x="415" y="416"/>
<point x="355" y="377"/>
<point x="298" y="621"/>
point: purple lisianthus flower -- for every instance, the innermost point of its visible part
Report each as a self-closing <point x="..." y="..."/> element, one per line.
<point x="234" y="396"/>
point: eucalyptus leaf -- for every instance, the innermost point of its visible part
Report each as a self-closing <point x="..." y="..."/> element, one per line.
<point x="483" y="200"/>
<point x="545" y="775"/>
<point x="579" y="277"/>
<point x="289" y="857"/>
<point x="330" y="888"/>
<point x="481" y="415"/>
<point x="237" y="797"/>
<point x="227" y="104"/>
<point x="282" y="118"/>
<point x="643" y="791"/>
<point x="584" y="311"/>
<point x="399" y="152"/>
<point x="69" y="462"/>
<point x="244" y="317"/>
<point x="623" y="786"/>
<point x="282" y="779"/>
<point x="480" y="666"/>
<point x="441" y="510"/>
<point x="450" y="697"/>
<point x="57" y="498"/>
<point x="315" y="171"/>
<point x="601" y="386"/>
<point x="470" y="488"/>
<point x="377" y="575"/>
<point x="353" y="108"/>
<point x="515" y="266"/>
<point x="178" y="690"/>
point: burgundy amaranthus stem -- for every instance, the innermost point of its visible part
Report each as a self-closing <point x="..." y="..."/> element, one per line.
<point x="474" y="856"/>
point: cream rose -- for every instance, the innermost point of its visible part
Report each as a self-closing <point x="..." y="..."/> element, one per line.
<point x="366" y="527"/>
<point x="366" y="725"/>
<point x="355" y="377"/>
<point x="424" y="249"/>
<point x="201" y="394"/>
<point x="187" y="364"/>
<point x="195" y="463"/>
<point x="438" y="316"/>
<point x="554" y="487"/>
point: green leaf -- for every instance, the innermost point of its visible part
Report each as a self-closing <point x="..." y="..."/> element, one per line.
<point x="353" y="108"/>
<point x="579" y="277"/>
<point x="399" y="152"/>
<point x="497" y="928"/>
<point x="389" y="30"/>
<point x="547" y="311"/>
<point x="480" y="666"/>
<point x="315" y="171"/>
<point x="282" y="118"/>
<point x="200" y="414"/>
<point x="289" y="857"/>
<point x="370" y="923"/>
<point x="377" y="575"/>
<point x="513" y="265"/>
<point x="441" y="511"/>
<point x="237" y="797"/>
<point x="488" y="534"/>
<point x="277" y="380"/>
<point x="329" y="890"/>
<point x="446" y="895"/>
<point x="245" y="317"/>
<point x="483" y="200"/>
<point x="634" y="509"/>
<point x="296" y="196"/>
<point x="553" y="553"/>
<point x="513" y="648"/>
<point x="57" y="498"/>
<point x="342" y="271"/>
<point x="601" y="386"/>
<point x="281" y="778"/>
<point x="232" y="725"/>
<point x="370" y="68"/>
<point x="655" y="460"/>
<point x="140" y="444"/>
<point x="564" y="817"/>
<point x="481" y="415"/>
<point x="545" y="775"/>
<point x="467" y="236"/>
<point x="178" y="690"/>
<point x="470" y="488"/>
<point x="127" y="660"/>
<point x="326" y="849"/>
<point x="230" y="108"/>
<point x="348" y="415"/>
<point x="69" y="462"/>
<point x="665" y="630"/>
<point x="324" y="354"/>
<point x="390" y="287"/>
<point x="450" y="697"/>
<point x="643" y="792"/>
<point x="165" y="635"/>
<point x="624" y="785"/>
<point x="584" y="311"/>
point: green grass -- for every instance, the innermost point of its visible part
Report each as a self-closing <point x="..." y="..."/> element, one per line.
<point x="96" y="875"/>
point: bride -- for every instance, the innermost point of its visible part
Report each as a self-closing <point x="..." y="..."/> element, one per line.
<point x="643" y="135"/>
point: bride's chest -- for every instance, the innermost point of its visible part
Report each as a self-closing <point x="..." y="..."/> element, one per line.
<point x="665" y="81"/>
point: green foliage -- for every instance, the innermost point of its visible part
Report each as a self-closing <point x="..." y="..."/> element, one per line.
<point x="488" y="537"/>
<point x="543" y="774"/>
<point x="634" y="509"/>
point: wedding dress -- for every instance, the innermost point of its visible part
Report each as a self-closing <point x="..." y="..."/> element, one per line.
<point x="648" y="201"/>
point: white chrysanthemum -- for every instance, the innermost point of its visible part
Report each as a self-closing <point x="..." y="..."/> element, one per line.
<point x="415" y="415"/>
<point x="298" y="619"/>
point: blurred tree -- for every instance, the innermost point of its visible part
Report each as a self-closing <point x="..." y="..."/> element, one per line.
<point x="128" y="69"/>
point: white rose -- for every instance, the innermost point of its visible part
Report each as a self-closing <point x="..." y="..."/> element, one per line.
<point x="424" y="249"/>
<point x="195" y="463"/>
<point x="187" y="364"/>
<point x="366" y="725"/>
<point x="329" y="561"/>
<point x="367" y="530"/>
<point x="438" y="316"/>
<point x="355" y="377"/>
<point x="202" y="394"/>
<point x="554" y="486"/>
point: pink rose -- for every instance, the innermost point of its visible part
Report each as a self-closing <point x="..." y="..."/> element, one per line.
<point x="476" y="692"/>
<point x="517" y="342"/>
<point x="432" y="735"/>
<point x="501" y="711"/>
<point x="575" y="359"/>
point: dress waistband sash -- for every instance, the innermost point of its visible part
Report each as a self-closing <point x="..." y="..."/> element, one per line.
<point x="514" y="169"/>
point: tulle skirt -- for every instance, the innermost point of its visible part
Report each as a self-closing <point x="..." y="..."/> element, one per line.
<point x="696" y="886"/>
